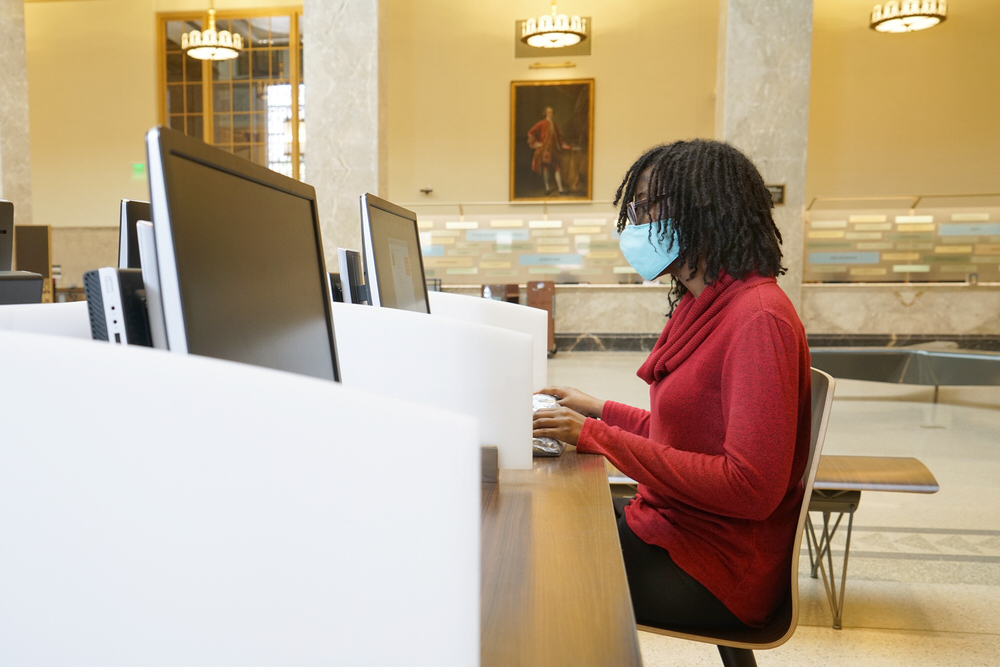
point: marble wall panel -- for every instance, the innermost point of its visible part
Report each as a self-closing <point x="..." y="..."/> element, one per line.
<point x="901" y="309"/>
<point x="80" y="249"/>
<point x="603" y="309"/>
<point x="343" y="114"/>
<point x="762" y="104"/>
<point x="15" y="148"/>
<point x="895" y="310"/>
<point x="611" y="309"/>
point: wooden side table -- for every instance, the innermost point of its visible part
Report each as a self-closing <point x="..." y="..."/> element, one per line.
<point x="839" y="483"/>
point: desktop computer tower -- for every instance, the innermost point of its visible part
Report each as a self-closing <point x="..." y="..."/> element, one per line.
<point x="116" y="300"/>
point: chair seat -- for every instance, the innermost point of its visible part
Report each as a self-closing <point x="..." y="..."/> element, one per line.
<point x="771" y="635"/>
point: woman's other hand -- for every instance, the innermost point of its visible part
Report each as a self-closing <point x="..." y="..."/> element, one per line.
<point x="560" y="423"/>
<point x="576" y="400"/>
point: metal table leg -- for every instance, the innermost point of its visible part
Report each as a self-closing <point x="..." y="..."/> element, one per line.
<point x="839" y="503"/>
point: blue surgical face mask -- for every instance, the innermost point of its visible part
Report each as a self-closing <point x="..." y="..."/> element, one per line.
<point x="645" y="251"/>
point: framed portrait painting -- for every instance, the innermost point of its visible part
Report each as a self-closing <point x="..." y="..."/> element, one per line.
<point x="551" y="139"/>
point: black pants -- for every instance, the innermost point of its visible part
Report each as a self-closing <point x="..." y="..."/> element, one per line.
<point x="664" y="594"/>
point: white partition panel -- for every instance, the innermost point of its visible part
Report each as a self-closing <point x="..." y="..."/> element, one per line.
<point x="59" y="319"/>
<point x="471" y="368"/>
<point x="532" y="321"/>
<point x="160" y="509"/>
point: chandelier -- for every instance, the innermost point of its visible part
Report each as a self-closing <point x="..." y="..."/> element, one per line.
<point x="211" y="44"/>
<point x="553" y="31"/>
<point x="908" y="15"/>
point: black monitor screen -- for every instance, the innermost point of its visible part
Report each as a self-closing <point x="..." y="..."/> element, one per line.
<point x="6" y="235"/>
<point x="392" y="252"/>
<point x="248" y="281"/>
<point x="132" y="211"/>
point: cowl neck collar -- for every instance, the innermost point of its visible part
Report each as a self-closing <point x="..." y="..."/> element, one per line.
<point x="692" y="322"/>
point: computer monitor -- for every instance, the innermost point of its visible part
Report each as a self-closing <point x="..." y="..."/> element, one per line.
<point x="240" y="255"/>
<point x="394" y="267"/>
<point x="132" y="211"/>
<point x="6" y="235"/>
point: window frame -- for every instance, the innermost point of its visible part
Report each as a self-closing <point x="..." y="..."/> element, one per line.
<point x="293" y="12"/>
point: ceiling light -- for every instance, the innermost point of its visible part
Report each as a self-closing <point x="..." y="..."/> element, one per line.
<point x="211" y="44"/>
<point x="908" y="15"/>
<point x="553" y="31"/>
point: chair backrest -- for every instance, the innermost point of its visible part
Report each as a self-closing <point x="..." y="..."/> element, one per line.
<point x="822" y="400"/>
<point x="783" y="624"/>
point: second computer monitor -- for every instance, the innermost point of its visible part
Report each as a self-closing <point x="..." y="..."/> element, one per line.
<point x="132" y="211"/>
<point x="394" y="267"/>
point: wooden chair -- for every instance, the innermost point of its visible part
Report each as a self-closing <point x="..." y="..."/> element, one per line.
<point x="736" y="648"/>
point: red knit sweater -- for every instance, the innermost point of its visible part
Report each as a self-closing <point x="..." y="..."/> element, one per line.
<point x="720" y="458"/>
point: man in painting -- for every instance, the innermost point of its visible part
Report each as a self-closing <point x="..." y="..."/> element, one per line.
<point x="547" y="142"/>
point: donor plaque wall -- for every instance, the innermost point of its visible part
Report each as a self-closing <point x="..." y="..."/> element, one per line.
<point x="563" y="247"/>
<point x="903" y="245"/>
<point x="842" y="245"/>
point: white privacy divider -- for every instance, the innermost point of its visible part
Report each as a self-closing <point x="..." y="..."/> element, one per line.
<point x="58" y="319"/>
<point x="178" y="510"/>
<point x="532" y="321"/>
<point x="471" y="368"/>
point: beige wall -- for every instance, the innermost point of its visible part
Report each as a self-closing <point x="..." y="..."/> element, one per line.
<point x="450" y="64"/>
<point x="888" y="113"/>
<point x="92" y="95"/>
<point x="904" y="114"/>
<point x="448" y="97"/>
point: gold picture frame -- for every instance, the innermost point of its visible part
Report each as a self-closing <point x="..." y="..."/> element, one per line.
<point x="551" y="140"/>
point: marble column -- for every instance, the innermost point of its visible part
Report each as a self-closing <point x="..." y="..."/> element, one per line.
<point x="344" y="114"/>
<point x="15" y="144"/>
<point x="762" y="105"/>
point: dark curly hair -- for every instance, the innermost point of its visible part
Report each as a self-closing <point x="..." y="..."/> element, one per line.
<point x="719" y="204"/>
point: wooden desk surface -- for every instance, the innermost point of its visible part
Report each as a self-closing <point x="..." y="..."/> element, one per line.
<point x="554" y="589"/>
<point x="874" y="473"/>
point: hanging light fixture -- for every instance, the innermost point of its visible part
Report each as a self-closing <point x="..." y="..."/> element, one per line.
<point x="212" y="44"/>
<point x="908" y="15"/>
<point x="553" y="31"/>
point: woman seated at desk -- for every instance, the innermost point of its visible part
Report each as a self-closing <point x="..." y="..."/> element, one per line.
<point x="719" y="458"/>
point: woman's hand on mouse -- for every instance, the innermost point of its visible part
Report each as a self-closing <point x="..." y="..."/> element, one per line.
<point x="560" y="423"/>
<point x="576" y="400"/>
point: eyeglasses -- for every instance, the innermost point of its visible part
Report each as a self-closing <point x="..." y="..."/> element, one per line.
<point x="638" y="211"/>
